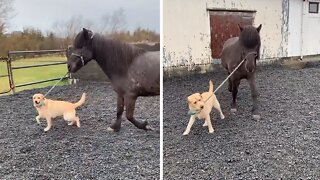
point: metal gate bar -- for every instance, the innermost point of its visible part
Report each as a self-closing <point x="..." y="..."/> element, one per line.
<point x="38" y="65"/>
<point x="38" y="82"/>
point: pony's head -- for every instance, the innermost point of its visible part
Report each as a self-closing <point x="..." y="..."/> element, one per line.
<point x="250" y="40"/>
<point x="81" y="52"/>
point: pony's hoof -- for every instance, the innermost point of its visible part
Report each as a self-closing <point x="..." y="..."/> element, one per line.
<point x="256" y="117"/>
<point x="233" y="110"/>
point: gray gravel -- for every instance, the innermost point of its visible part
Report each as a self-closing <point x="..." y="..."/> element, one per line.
<point x="285" y="143"/>
<point x="89" y="152"/>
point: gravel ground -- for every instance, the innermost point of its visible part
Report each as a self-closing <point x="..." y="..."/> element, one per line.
<point x="68" y="152"/>
<point x="285" y="143"/>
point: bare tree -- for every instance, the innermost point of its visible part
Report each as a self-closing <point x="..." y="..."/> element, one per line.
<point x="118" y="20"/>
<point x="114" y="22"/>
<point x="69" y="29"/>
<point x="6" y="12"/>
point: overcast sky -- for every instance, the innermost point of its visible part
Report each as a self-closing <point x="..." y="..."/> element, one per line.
<point x="42" y="14"/>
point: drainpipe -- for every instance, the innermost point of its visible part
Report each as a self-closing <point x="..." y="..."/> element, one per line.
<point x="303" y="13"/>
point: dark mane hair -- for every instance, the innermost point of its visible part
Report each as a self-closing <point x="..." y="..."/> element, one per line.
<point x="113" y="54"/>
<point x="116" y="50"/>
<point x="249" y="37"/>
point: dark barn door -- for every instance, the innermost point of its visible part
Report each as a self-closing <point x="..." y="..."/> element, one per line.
<point x="224" y="25"/>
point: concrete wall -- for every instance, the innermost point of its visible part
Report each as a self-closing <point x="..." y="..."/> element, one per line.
<point x="187" y="28"/>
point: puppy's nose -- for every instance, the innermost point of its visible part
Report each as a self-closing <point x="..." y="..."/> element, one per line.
<point x="201" y="107"/>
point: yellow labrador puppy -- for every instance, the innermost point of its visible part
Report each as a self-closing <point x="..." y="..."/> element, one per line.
<point x="49" y="109"/>
<point x="200" y="106"/>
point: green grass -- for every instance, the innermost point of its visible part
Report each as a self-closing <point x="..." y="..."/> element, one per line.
<point x="22" y="76"/>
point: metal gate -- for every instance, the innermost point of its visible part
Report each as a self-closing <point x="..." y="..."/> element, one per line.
<point x="10" y="68"/>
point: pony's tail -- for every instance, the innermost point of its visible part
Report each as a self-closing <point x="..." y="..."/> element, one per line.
<point x="210" y="86"/>
<point x="81" y="101"/>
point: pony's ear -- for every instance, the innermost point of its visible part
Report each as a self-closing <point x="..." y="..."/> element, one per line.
<point x="87" y="34"/>
<point x="259" y="27"/>
<point x="69" y="50"/>
<point x="241" y="28"/>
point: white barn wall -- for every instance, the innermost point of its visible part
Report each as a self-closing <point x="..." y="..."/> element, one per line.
<point x="294" y="32"/>
<point x="310" y="31"/>
<point x="187" y="28"/>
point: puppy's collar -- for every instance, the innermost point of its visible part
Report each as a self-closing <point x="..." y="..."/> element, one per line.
<point x="194" y="112"/>
<point x="40" y="104"/>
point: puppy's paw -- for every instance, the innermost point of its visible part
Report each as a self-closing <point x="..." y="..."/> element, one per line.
<point x="205" y="124"/>
<point x="70" y="123"/>
<point x="38" y="120"/>
<point x="211" y="131"/>
<point x="185" y="133"/>
<point x="46" y="129"/>
<point x="222" y="116"/>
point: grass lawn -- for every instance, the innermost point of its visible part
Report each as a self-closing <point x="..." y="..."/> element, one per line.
<point x="33" y="74"/>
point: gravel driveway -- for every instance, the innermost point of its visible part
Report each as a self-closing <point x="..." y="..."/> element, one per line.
<point x="89" y="152"/>
<point x="285" y="143"/>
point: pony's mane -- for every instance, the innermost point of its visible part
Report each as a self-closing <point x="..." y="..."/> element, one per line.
<point x="116" y="52"/>
<point x="249" y="37"/>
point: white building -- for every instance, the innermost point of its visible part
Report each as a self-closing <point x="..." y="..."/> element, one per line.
<point x="195" y="30"/>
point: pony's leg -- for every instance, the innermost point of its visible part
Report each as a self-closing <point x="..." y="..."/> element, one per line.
<point x="230" y="85"/>
<point x="130" y="102"/>
<point x="235" y="85"/>
<point x="116" y="125"/>
<point x="255" y="95"/>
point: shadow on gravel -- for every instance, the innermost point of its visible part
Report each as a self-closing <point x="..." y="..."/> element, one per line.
<point x="285" y="143"/>
<point x="89" y="152"/>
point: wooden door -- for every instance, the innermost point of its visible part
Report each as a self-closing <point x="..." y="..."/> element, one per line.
<point x="224" y="25"/>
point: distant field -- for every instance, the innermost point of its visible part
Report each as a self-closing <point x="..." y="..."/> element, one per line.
<point x="33" y="74"/>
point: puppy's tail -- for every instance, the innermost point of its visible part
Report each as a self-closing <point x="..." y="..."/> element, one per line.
<point x="210" y="86"/>
<point x="81" y="101"/>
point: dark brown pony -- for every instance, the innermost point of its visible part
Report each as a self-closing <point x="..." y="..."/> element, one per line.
<point x="246" y="46"/>
<point x="132" y="71"/>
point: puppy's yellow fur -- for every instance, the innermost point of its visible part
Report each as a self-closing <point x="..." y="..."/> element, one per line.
<point x="49" y="109"/>
<point x="201" y="105"/>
